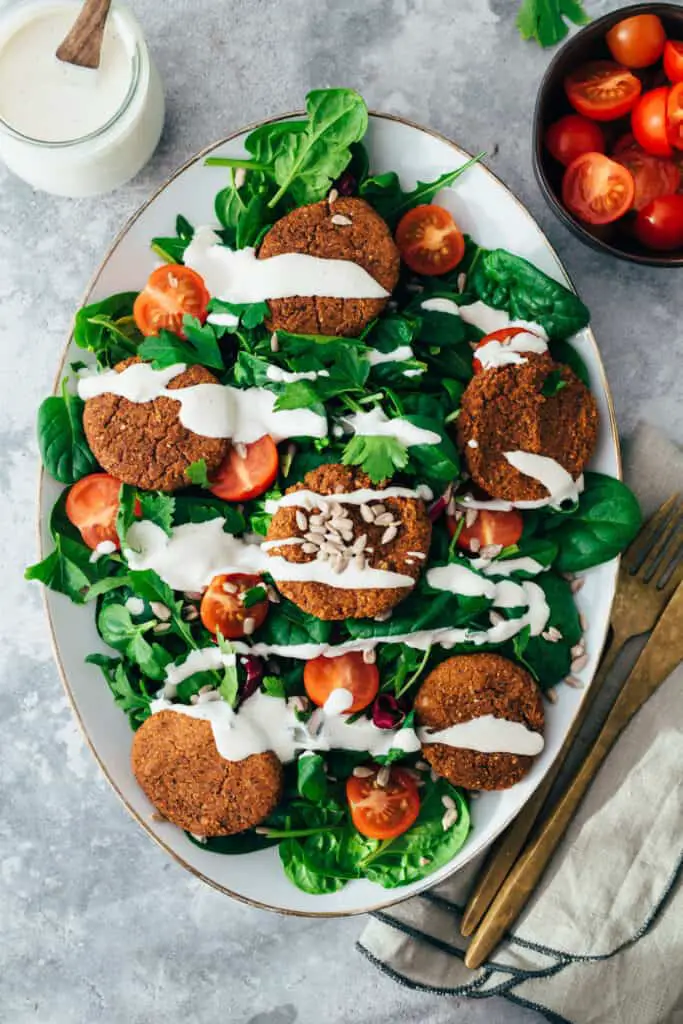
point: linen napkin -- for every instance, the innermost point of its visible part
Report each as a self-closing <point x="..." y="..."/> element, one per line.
<point x="602" y="939"/>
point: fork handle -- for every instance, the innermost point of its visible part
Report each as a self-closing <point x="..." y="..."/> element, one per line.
<point x="506" y="849"/>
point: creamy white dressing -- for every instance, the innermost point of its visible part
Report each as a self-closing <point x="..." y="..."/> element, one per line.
<point x="310" y="499"/>
<point x="338" y="702"/>
<point x="488" y="735"/>
<point x="239" y="277"/>
<point x="397" y="355"/>
<point x="508" y="566"/>
<point x="441" y="305"/>
<point x="488" y="319"/>
<point x="276" y="373"/>
<point x="495" y="354"/>
<point x="210" y="410"/>
<point x="223" y="319"/>
<point x="376" y="423"/>
<point x="134" y="605"/>
<point x="459" y="579"/>
<point x="560" y="484"/>
<point x="105" y="547"/>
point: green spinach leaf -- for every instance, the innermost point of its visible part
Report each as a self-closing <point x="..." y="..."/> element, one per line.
<point x="63" y="447"/>
<point x="385" y="194"/>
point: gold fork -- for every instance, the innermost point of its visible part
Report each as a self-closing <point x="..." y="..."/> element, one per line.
<point x="651" y="569"/>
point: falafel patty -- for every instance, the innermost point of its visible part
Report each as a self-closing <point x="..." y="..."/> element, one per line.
<point x="469" y="686"/>
<point x="144" y="444"/>
<point x="175" y="760"/>
<point x="505" y="410"/>
<point x="315" y="231"/>
<point x="405" y="551"/>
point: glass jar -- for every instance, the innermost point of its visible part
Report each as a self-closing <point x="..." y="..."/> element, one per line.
<point x="105" y="156"/>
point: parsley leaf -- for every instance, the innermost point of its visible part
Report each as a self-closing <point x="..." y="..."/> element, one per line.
<point x="158" y="508"/>
<point x="379" y="457"/>
<point x="196" y="474"/>
<point x="544" y="20"/>
<point x="274" y="687"/>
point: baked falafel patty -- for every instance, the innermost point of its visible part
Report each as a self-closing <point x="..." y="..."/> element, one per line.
<point x="144" y="444"/>
<point x="175" y="760"/>
<point x="314" y="231"/>
<point x="504" y="409"/>
<point x="469" y="686"/>
<point x="405" y="552"/>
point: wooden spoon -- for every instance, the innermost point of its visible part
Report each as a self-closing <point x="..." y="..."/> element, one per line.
<point x="83" y="45"/>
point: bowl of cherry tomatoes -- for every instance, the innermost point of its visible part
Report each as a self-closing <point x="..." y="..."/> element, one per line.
<point x="608" y="134"/>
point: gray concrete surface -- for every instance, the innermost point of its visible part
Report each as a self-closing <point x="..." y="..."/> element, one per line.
<point x="97" y="925"/>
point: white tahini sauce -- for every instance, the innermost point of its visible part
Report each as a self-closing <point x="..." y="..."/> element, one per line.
<point x="511" y="353"/>
<point x="239" y="277"/>
<point x="400" y="354"/>
<point x="488" y="735"/>
<point x="310" y="499"/>
<point x="210" y="410"/>
<point x="508" y="566"/>
<point x="557" y="481"/>
<point x="338" y="702"/>
<point x="376" y="423"/>
<point x="105" y="547"/>
<point x="280" y="376"/>
<point x="488" y="319"/>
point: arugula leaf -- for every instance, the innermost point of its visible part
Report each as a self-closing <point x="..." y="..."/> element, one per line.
<point x="196" y="474"/>
<point x="129" y="694"/>
<point x="108" y="328"/>
<point x="544" y="20"/>
<point x="158" y="508"/>
<point x="384" y="192"/>
<point x="379" y="457"/>
<point x="255" y="595"/>
<point x="199" y="347"/>
<point x="61" y="440"/>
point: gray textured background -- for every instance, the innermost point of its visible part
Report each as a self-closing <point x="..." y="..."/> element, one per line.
<point x="97" y="924"/>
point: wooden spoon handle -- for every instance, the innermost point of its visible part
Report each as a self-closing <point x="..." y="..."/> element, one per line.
<point x="83" y="44"/>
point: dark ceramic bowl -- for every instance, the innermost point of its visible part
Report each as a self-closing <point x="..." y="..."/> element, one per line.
<point x="552" y="103"/>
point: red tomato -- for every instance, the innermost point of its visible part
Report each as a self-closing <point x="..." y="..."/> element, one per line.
<point x="502" y="335"/>
<point x="673" y="60"/>
<point x="674" y="116"/>
<point x="624" y="142"/>
<point x="243" y="476"/>
<point x="602" y="90"/>
<point x="649" y="123"/>
<point x="637" y="42"/>
<point x="572" y="136"/>
<point x="170" y="293"/>
<point x="490" y="527"/>
<point x="429" y="240"/>
<point x="222" y="609"/>
<point x="660" y="224"/>
<point x="653" y="175"/>
<point x="92" y="504"/>
<point x="383" y="812"/>
<point x="349" y="672"/>
<point x="596" y="189"/>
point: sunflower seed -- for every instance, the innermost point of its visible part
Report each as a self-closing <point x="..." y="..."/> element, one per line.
<point x="578" y="649"/>
<point x="274" y="343"/>
<point x="448" y="802"/>
<point x="575" y="683"/>
<point x="240" y="449"/>
<point x="369" y="656"/>
<point x="383" y="616"/>
<point x="315" y="535"/>
<point x="383" y="776"/>
<point x="367" y="514"/>
<point x="579" y="663"/>
<point x="273" y="595"/>
<point x="384" y="519"/>
<point x="162" y="627"/>
<point x="341" y="220"/>
<point x="192" y="595"/>
<point x="359" y="561"/>
<point x="333" y="196"/>
<point x="248" y="626"/>
<point x="301" y="520"/>
<point x="417" y="554"/>
<point x="359" y="544"/>
<point x="433" y="776"/>
<point x="318" y="519"/>
<point x="162" y="611"/>
<point x="230" y="588"/>
<point x="388" y="535"/>
<point x="347" y="536"/>
<point x="471" y="517"/>
<point x="240" y="177"/>
<point x="449" y="819"/>
<point x="337" y="563"/>
<point x="475" y="545"/>
<point x="461" y="281"/>
<point x="342" y="523"/>
<point x="190" y="613"/>
<point x="205" y="689"/>
<point x="333" y="542"/>
<point x="207" y="698"/>
<point x="336" y="509"/>
<point x="194" y="699"/>
<point x="491" y="550"/>
<point x="378" y="509"/>
<point x="309" y="549"/>
<point x="576" y="585"/>
<point x="551" y="694"/>
<point x="361" y="771"/>
<point x="552" y="635"/>
<point x="323" y="555"/>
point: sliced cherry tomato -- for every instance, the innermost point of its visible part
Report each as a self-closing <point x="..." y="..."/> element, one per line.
<point x="349" y="672"/>
<point x="602" y="90"/>
<point x="501" y="335"/>
<point x="171" y="292"/>
<point x="490" y="527"/>
<point x="223" y="611"/>
<point x="673" y="60"/>
<point x="383" y="812"/>
<point x="246" y="471"/>
<point x="596" y="189"/>
<point x="659" y="225"/>
<point x="429" y="240"/>
<point x="92" y="504"/>
<point x="674" y="116"/>
<point x="649" y="122"/>
<point x="653" y="175"/>
<point x="572" y="136"/>
<point x="637" y="42"/>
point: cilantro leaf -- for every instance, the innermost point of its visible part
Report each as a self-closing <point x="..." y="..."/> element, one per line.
<point x="158" y="508"/>
<point x="379" y="457"/>
<point x="196" y="474"/>
<point x="544" y="20"/>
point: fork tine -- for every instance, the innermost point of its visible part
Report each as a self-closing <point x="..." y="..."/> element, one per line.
<point x="664" y="547"/>
<point x="654" y="529"/>
<point x="673" y="573"/>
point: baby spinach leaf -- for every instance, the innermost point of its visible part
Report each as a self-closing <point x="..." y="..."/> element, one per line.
<point x="564" y="352"/>
<point x="311" y="779"/>
<point x="434" y="462"/>
<point x="550" y="661"/>
<point x="63" y="447"/>
<point x="190" y="509"/>
<point x="286" y="624"/>
<point x="172" y="250"/>
<point x="242" y="842"/>
<point x="108" y="329"/>
<point x="274" y="686"/>
<point x="303" y="875"/>
<point x="553" y="383"/>
<point x="379" y="457"/>
<point x="544" y="20"/>
<point x="384" y="192"/>
<point x="251" y="314"/>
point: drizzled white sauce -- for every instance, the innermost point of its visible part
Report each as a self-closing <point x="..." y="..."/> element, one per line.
<point x="239" y="277"/>
<point x="488" y="319"/>
<point x="397" y="355"/>
<point x="495" y="354"/>
<point x="210" y="410"/>
<point x="441" y="305"/>
<point x="134" y="605"/>
<point x="459" y="579"/>
<point x="223" y="319"/>
<point x="376" y="423"/>
<point x="488" y="735"/>
<point x="276" y="373"/>
<point x="338" y="702"/>
<point x="310" y="499"/>
<point x="507" y="566"/>
<point x="105" y="547"/>
<point x="554" y="477"/>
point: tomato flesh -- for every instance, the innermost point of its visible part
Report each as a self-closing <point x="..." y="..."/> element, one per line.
<point x="573" y="136"/>
<point x="602" y="90"/>
<point x="673" y="60"/>
<point x="246" y="471"/>
<point x="674" y="116"/>
<point x="171" y="292"/>
<point x="596" y="189"/>
<point x="91" y="505"/>
<point x="649" y="122"/>
<point x="222" y="608"/>
<point x="349" y="672"/>
<point x="637" y="42"/>
<point x="659" y="225"/>
<point x="429" y="240"/>
<point x="501" y="335"/>
<point x="383" y="812"/>
<point x="653" y="176"/>
<point x="490" y="527"/>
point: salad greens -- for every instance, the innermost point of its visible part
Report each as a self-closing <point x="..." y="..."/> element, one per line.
<point x="63" y="447"/>
<point x="544" y="20"/>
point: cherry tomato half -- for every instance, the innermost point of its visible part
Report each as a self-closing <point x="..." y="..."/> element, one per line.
<point x="602" y="90"/>
<point x="490" y="527"/>
<point x="383" y="812"/>
<point x="674" y="116"/>
<point x="637" y="42"/>
<point x="573" y="136"/>
<point x="652" y="175"/>
<point x="247" y="471"/>
<point x="92" y="504"/>
<point x="349" y="672"/>
<point x="659" y="225"/>
<point x="222" y="609"/>
<point x="429" y="240"/>
<point x="649" y="122"/>
<point x="596" y="189"/>
<point x="501" y="335"/>
<point x="673" y="60"/>
<point x="170" y="293"/>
